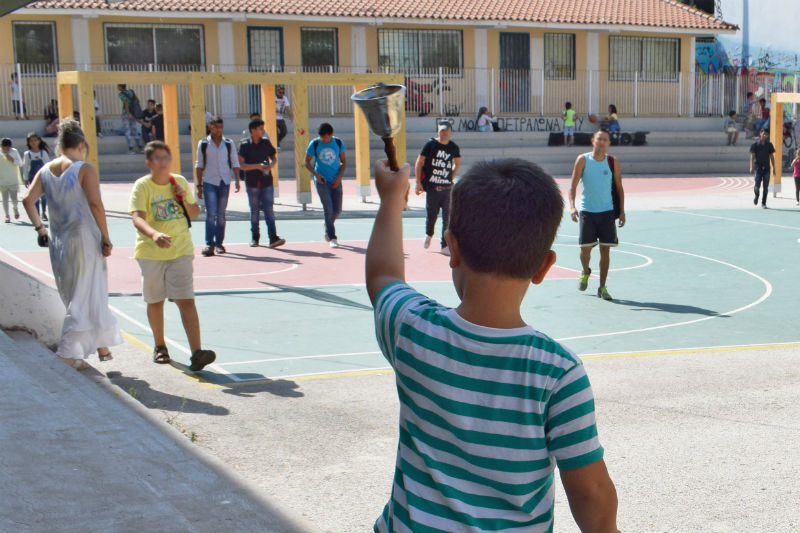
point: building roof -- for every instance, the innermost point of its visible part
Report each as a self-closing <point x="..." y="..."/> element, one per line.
<point x="647" y="13"/>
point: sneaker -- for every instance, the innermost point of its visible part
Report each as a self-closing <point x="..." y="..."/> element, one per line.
<point x="427" y="243"/>
<point x="334" y="243"/>
<point x="253" y="243"/>
<point x="755" y="200"/>
<point x="201" y="358"/>
<point x="327" y="239"/>
<point x="602" y="292"/>
<point x="445" y="250"/>
<point x="277" y="242"/>
<point x="44" y="216"/>
<point x="220" y="249"/>
<point x="763" y="206"/>
<point x="130" y="151"/>
<point x="208" y="251"/>
<point x="583" y="281"/>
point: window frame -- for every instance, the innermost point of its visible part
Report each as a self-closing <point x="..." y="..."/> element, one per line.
<point x="421" y="71"/>
<point x="54" y="27"/>
<point x="639" y="54"/>
<point x="152" y="27"/>
<point x="335" y="32"/>
<point x="552" y="74"/>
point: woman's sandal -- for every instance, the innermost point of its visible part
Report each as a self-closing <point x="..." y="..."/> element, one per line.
<point x="105" y="357"/>
<point x="161" y="355"/>
<point x="77" y="364"/>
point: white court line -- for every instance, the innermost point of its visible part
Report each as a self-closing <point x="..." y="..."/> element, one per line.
<point x="647" y="261"/>
<point x="695" y="348"/>
<point x="767" y="293"/>
<point x="290" y="376"/>
<point x="120" y="314"/>
<point x="320" y="356"/>
<point x="731" y="219"/>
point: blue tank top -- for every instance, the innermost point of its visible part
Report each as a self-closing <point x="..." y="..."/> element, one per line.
<point x="596" y="181"/>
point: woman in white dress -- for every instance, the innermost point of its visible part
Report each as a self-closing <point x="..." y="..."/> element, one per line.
<point x="79" y="244"/>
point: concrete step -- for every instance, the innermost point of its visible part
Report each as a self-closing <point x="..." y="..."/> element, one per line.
<point x="79" y="454"/>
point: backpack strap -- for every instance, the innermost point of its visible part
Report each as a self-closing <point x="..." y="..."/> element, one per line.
<point x="611" y="164"/>
<point x="204" y="148"/>
<point x="316" y="146"/>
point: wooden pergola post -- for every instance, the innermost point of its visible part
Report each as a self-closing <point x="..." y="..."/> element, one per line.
<point x="361" y="149"/>
<point x="301" y="135"/>
<point x="172" y="136"/>
<point x="197" y="115"/>
<point x="271" y="127"/>
<point x="776" y="133"/>
<point x="88" y="119"/>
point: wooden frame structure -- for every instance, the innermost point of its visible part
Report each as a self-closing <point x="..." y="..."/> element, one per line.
<point x="776" y="133"/>
<point x="197" y="81"/>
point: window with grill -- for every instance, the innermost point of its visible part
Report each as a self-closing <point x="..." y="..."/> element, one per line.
<point x="166" y="46"/>
<point x="655" y="59"/>
<point x="420" y="51"/>
<point x="559" y="56"/>
<point x="35" y="43"/>
<point x="319" y="49"/>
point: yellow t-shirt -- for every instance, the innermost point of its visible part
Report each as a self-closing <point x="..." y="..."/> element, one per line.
<point x="164" y="214"/>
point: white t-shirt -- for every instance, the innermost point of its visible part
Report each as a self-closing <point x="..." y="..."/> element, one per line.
<point x="15" y="94"/>
<point x="280" y="106"/>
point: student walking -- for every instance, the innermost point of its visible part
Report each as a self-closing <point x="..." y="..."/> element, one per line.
<point x="282" y="110"/>
<point x="729" y="127"/>
<point x="328" y="153"/>
<point x="161" y="206"/>
<point x="79" y="244"/>
<point x="435" y="172"/>
<point x="761" y="160"/>
<point x="596" y="171"/>
<point x="9" y="177"/>
<point x="35" y="157"/>
<point x="131" y="113"/>
<point x="17" y="105"/>
<point x="796" y="175"/>
<point x="489" y="406"/>
<point x="257" y="159"/>
<point x="217" y="163"/>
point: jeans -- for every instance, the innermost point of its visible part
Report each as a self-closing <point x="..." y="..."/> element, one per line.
<point x="282" y="131"/>
<point x="762" y="124"/>
<point x="131" y="129"/>
<point x="331" y="205"/>
<point x="434" y="201"/>
<point x="261" y="199"/>
<point x="147" y="135"/>
<point x="797" y="189"/>
<point x="216" y="198"/>
<point x="762" y="176"/>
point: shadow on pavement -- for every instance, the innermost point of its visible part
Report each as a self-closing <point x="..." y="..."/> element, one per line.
<point x="319" y="295"/>
<point x="279" y="387"/>
<point x="152" y="398"/>
<point x="668" y="308"/>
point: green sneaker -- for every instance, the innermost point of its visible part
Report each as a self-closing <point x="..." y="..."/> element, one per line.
<point x="583" y="281"/>
<point x="602" y="292"/>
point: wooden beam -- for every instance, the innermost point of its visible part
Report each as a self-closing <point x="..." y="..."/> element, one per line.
<point x="361" y="150"/>
<point x="788" y="98"/>
<point x="169" y="101"/>
<point x="776" y="137"/>
<point x="88" y="119"/>
<point x="271" y="127"/>
<point x="65" y="100"/>
<point x="197" y="115"/>
<point x="301" y="135"/>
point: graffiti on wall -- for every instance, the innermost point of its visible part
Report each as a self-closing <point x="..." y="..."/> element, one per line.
<point x="543" y="124"/>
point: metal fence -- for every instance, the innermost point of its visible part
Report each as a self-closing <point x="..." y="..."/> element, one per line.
<point x="438" y="92"/>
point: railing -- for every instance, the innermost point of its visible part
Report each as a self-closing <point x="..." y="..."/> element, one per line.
<point x="438" y="92"/>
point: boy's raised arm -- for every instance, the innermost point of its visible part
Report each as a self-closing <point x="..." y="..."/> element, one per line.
<point x="385" y="262"/>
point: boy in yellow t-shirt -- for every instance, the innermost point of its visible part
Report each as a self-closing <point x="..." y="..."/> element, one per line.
<point x="165" y="252"/>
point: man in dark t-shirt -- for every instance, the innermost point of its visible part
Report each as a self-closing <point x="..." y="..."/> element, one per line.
<point x="158" y="124"/>
<point x="257" y="159"/>
<point x="435" y="170"/>
<point x="148" y="114"/>
<point x="761" y="160"/>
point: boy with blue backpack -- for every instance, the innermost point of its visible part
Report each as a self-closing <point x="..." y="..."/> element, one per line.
<point x="328" y="151"/>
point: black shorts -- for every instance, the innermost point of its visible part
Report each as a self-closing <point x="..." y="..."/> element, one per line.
<point x="596" y="227"/>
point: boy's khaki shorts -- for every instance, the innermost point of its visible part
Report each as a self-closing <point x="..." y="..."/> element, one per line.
<point x="167" y="279"/>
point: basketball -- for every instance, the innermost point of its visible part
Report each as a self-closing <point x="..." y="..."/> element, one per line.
<point x="592" y="118"/>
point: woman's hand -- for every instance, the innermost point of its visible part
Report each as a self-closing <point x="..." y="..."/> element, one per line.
<point x="106" y="246"/>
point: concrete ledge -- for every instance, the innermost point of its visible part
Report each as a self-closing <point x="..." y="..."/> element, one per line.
<point x="30" y="305"/>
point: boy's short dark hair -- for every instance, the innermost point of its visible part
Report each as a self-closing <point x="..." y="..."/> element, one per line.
<point x="153" y="146"/>
<point x="749" y="94"/>
<point x="505" y="214"/>
<point x="216" y="119"/>
<point x="731" y="113"/>
<point x="325" y="129"/>
<point x="568" y="105"/>
<point x="151" y="101"/>
<point x="255" y="115"/>
<point x="256" y="122"/>
<point x="123" y="85"/>
<point x="159" y="106"/>
<point x="764" y="130"/>
<point x="5" y="142"/>
<point x="762" y="100"/>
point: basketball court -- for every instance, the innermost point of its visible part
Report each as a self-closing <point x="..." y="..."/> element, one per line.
<point x="693" y="271"/>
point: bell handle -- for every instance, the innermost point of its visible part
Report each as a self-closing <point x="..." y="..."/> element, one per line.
<point x="391" y="153"/>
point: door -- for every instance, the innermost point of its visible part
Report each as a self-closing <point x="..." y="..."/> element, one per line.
<point x="264" y="54"/>
<point x="515" y="75"/>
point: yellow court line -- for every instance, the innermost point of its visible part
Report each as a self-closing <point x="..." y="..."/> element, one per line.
<point x="684" y="351"/>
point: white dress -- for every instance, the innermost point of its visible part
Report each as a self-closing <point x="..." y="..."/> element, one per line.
<point x="79" y="267"/>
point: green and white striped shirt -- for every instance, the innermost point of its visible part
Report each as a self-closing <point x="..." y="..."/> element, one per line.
<point x="485" y="416"/>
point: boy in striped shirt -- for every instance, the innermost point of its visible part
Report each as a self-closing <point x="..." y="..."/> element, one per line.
<point x="488" y="405"/>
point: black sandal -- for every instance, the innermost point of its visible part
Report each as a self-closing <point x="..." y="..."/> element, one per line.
<point x="161" y="355"/>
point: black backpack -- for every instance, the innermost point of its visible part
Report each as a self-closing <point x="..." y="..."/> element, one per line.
<point x="315" y="144"/>
<point x="228" y="145"/>
<point x="134" y="106"/>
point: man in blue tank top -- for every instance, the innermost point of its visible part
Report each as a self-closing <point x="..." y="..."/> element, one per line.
<point x="596" y="171"/>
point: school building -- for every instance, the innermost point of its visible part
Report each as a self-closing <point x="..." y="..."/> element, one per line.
<point x="520" y="59"/>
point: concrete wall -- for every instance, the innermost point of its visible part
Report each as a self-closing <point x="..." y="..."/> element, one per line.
<point x="30" y="304"/>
